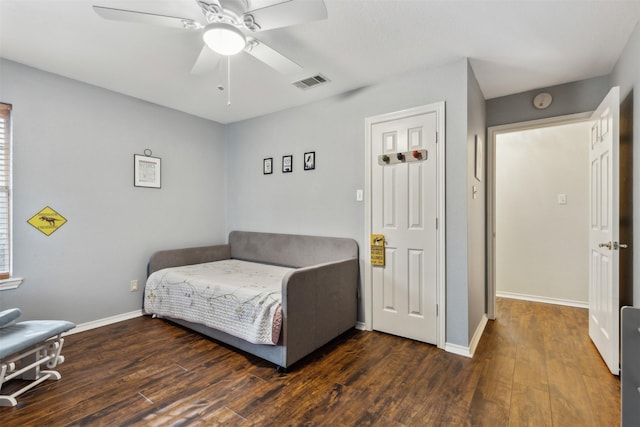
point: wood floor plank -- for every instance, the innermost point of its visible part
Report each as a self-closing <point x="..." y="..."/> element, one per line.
<point x="530" y="407"/>
<point x="491" y="400"/>
<point x="534" y="365"/>
<point x="201" y="405"/>
<point x="382" y="397"/>
<point x="569" y="400"/>
<point x="604" y="396"/>
<point x="531" y="367"/>
<point x="442" y="390"/>
<point x="492" y="397"/>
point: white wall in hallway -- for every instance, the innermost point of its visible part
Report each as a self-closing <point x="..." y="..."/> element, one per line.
<point x="542" y="244"/>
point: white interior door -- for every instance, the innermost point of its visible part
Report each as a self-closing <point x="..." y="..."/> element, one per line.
<point x="404" y="208"/>
<point x="604" y="289"/>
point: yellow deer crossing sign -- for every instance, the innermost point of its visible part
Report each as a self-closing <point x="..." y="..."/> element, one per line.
<point x="47" y="220"/>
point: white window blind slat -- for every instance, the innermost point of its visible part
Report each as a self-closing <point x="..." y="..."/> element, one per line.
<point x="5" y="191"/>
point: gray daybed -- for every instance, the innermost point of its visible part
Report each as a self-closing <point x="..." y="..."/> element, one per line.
<point x="319" y="296"/>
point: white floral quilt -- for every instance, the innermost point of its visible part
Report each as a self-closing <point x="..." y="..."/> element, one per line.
<point x="238" y="297"/>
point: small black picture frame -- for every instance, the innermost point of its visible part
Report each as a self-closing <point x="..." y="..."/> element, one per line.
<point x="287" y="164"/>
<point x="267" y="166"/>
<point x="309" y="160"/>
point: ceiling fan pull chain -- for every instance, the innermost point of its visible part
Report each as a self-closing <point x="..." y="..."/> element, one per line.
<point x="228" y="81"/>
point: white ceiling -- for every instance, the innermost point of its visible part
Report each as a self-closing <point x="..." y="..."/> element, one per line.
<point x="513" y="46"/>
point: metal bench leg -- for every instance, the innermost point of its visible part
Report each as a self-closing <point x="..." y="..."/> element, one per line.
<point x="47" y="352"/>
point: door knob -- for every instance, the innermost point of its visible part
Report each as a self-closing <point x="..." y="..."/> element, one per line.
<point x="617" y="245"/>
<point x="605" y="245"/>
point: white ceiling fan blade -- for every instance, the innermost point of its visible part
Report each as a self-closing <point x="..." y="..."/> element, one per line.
<point x="290" y="12"/>
<point x="206" y="63"/>
<point x="146" y="18"/>
<point x="271" y="57"/>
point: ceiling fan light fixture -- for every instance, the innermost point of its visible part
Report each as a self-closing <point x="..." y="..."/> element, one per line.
<point x="224" y="38"/>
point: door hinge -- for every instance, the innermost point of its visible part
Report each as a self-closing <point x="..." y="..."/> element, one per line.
<point x="437" y="224"/>
<point x="437" y="137"/>
<point x="437" y="310"/>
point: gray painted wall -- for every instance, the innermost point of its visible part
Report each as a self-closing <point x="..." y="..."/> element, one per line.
<point x="476" y="211"/>
<point x="323" y="201"/>
<point x="568" y="98"/>
<point x="73" y="151"/>
<point x="626" y="74"/>
<point x="74" y="145"/>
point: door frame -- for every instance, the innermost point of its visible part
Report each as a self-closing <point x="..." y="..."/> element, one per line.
<point x="492" y="133"/>
<point x="439" y="109"/>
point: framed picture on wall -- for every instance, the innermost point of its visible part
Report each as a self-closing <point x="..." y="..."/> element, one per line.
<point x="310" y="160"/>
<point x="287" y="164"/>
<point x="146" y="171"/>
<point x="267" y="166"/>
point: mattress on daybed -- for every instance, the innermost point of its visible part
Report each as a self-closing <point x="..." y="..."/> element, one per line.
<point x="238" y="297"/>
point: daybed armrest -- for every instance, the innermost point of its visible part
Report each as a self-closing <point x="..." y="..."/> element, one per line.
<point x="319" y="303"/>
<point x="187" y="256"/>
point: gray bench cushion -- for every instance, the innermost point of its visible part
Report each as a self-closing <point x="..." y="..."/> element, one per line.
<point x="22" y="335"/>
<point x="8" y="316"/>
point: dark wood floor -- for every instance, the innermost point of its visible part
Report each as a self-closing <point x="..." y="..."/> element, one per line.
<point x="535" y="366"/>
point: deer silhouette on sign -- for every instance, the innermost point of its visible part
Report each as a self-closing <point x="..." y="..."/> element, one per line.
<point x="51" y="220"/>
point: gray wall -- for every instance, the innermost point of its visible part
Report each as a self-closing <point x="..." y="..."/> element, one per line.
<point x="568" y="98"/>
<point x="626" y="74"/>
<point x="73" y="151"/>
<point x="476" y="211"/>
<point x="74" y="145"/>
<point x="322" y="202"/>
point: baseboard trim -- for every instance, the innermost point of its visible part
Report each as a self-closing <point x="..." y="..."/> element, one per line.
<point x="546" y="300"/>
<point x="361" y="326"/>
<point x="104" y="322"/>
<point x="468" y="351"/>
<point x="478" y="334"/>
<point x="457" y="349"/>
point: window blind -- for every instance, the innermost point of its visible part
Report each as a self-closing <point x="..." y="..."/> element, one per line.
<point x="5" y="191"/>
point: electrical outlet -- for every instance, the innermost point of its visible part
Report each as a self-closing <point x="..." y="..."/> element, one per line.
<point x="133" y="287"/>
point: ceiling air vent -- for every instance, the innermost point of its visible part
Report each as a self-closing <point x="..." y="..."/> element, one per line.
<point x="310" y="82"/>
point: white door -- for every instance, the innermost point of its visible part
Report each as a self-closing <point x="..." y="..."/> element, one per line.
<point x="404" y="208"/>
<point x="604" y="290"/>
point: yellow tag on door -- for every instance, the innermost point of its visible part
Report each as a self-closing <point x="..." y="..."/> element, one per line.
<point x="377" y="250"/>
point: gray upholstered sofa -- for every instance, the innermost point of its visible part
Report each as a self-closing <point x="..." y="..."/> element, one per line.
<point x="319" y="298"/>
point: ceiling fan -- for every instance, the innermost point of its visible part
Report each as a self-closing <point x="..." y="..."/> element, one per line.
<point x="230" y="27"/>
